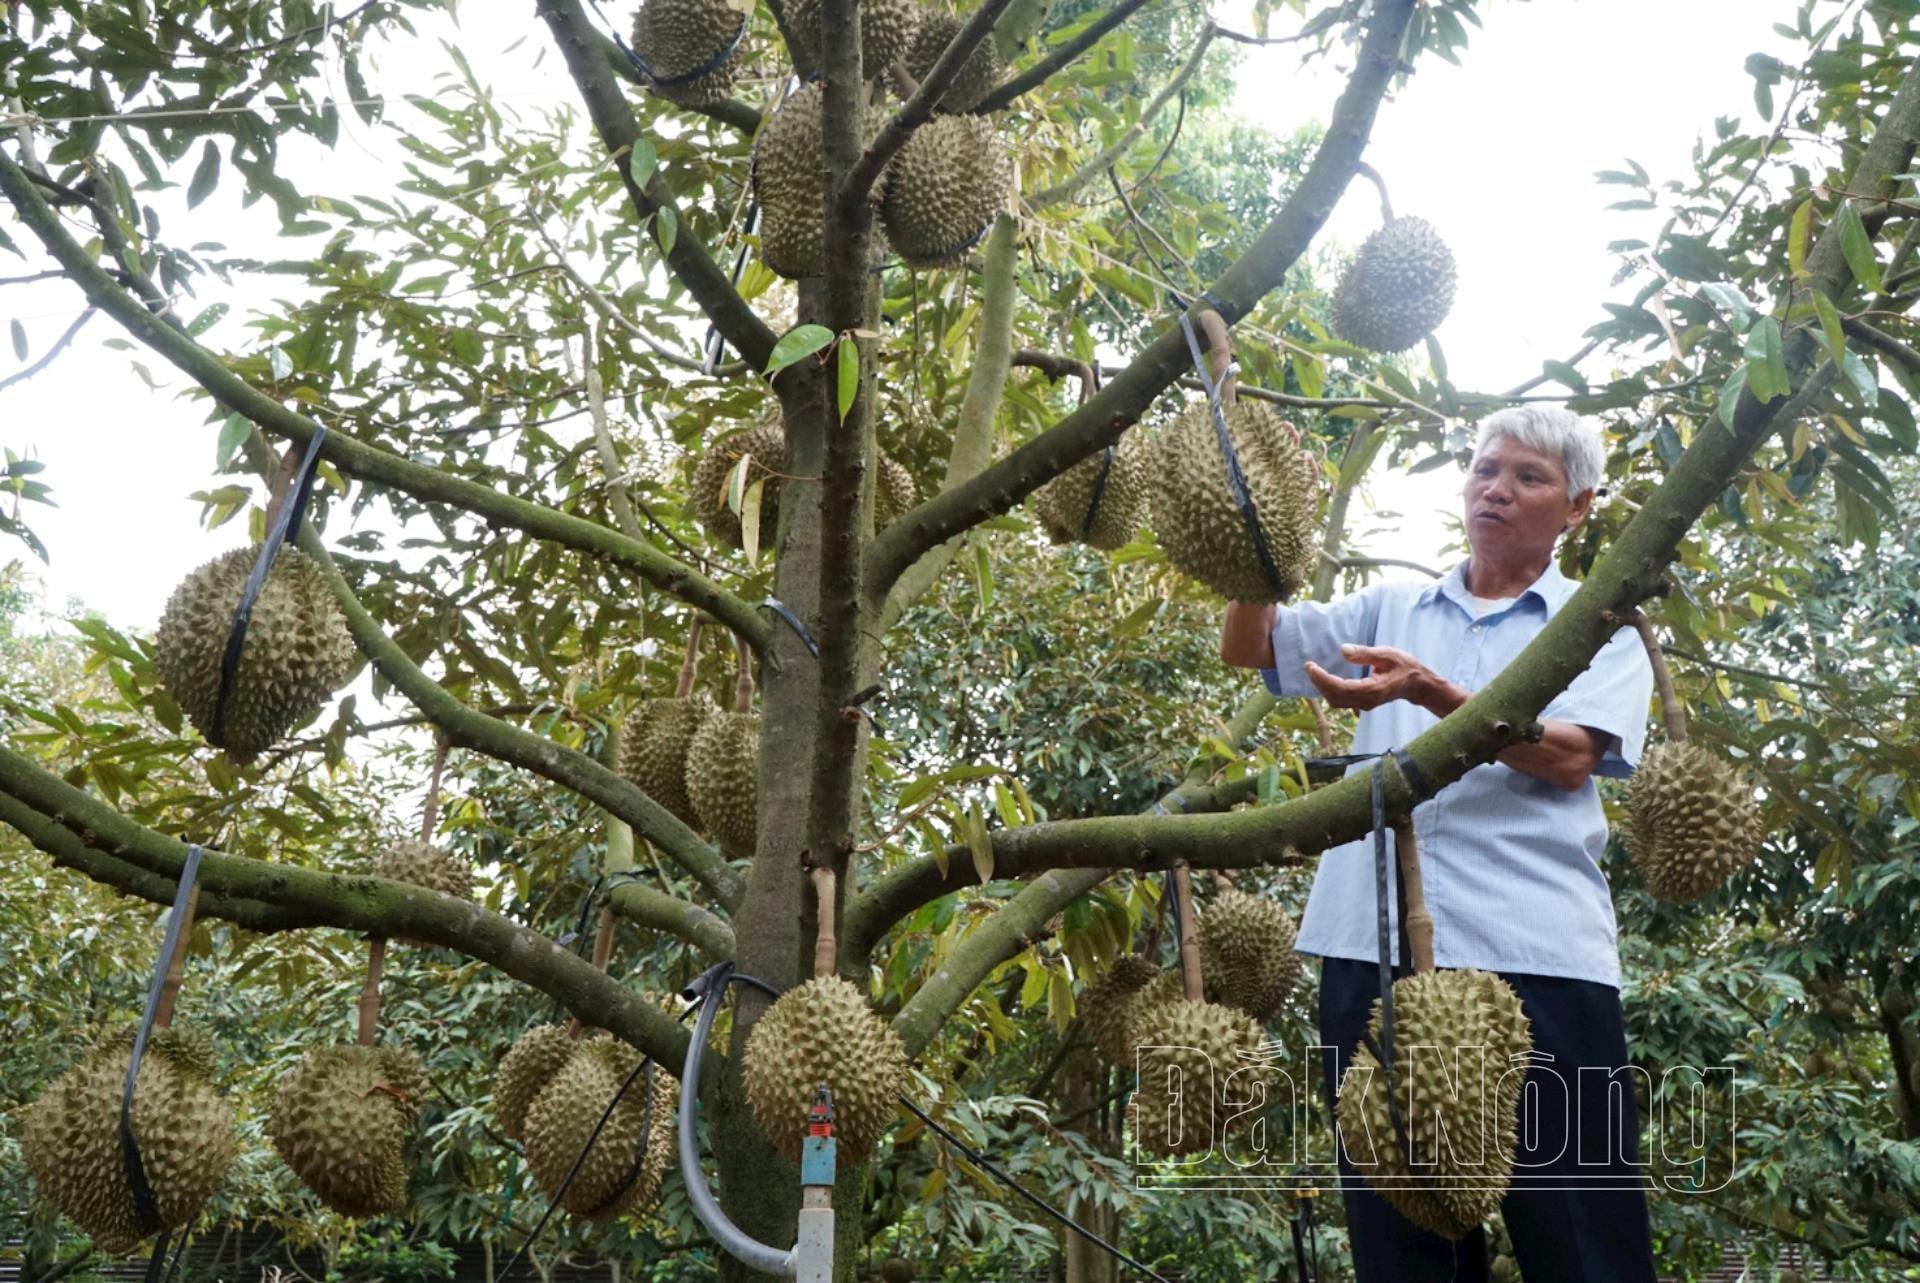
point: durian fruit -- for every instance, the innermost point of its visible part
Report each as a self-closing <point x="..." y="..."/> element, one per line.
<point x="1201" y="527"/>
<point x="767" y="444"/>
<point x="296" y="654"/>
<point x="1398" y="288"/>
<point x="1450" y="1017"/>
<point x="1185" y="1103"/>
<point x="654" y="746"/>
<point x="70" y="1137"/>
<point x="1246" y="953"/>
<point x="342" y="1118"/>
<point x="423" y="864"/>
<point x="535" y="1059"/>
<point x="1689" y="820"/>
<point x="789" y="176"/>
<point x="896" y="1269"/>
<point x="1063" y="502"/>
<point x="824" y="1031"/>
<point x="1105" y="1007"/>
<point x="621" y="1172"/>
<point x="893" y="491"/>
<point x="886" y="32"/>
<point x="943" y="188"/>
<point x="723" y="779"/>
<point x="674" y="37"/>
<point x="976" y="79"/>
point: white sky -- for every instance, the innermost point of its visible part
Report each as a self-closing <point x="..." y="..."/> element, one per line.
<point x="1499" y="156"/>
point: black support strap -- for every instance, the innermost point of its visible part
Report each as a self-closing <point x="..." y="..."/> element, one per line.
<point x="1099" y="490"/>
<point x="146" y="1209"/>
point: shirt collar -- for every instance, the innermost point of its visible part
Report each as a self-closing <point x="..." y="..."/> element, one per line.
<point x="1552" y="588"/>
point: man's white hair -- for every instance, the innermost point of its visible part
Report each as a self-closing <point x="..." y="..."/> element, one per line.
<point x="1557" y="433"/>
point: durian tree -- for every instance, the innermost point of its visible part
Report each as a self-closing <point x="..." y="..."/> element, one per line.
<point x="506" y="355"/>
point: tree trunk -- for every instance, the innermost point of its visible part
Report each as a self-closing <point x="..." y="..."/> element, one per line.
<point x="1082" y="1081"/>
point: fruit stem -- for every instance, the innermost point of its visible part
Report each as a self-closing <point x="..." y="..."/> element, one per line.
<point x="602" y="954"/>
<point x="743" y="685"/>
<point x="1671" y="709"/>
<point x="690" y="665"/>
<point x="370" y="993"/>
<point x="1189" y="934"/>
<point x="826" y="947"/>
<point x="1372" y="175"/>
<point x="176" y="965"/>
<point x="1419" y="920"/>
<point x="430" y="811"/>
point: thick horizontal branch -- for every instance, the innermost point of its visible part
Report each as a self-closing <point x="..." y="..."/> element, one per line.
<point x="1038" y="73"/>
<point x="366" y="462"/>
<point x="648" y="907"/>
<point x="469" y="728"/>
<point x="1115" y="408"/>
<point x="585" y="52"/>
<point x="916" y="110"/>
<point x="349" y="902"/>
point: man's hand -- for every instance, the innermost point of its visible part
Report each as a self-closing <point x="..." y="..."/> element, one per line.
<point x="1394" y="675"/>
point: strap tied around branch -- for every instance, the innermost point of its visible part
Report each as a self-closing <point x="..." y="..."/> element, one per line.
<point x="286" y="526"/>
<point x="146" y="1208"/>
<point x="1383" y="1048"/>
<point x="1236" y="477"/>
<point x="785" y="612"/>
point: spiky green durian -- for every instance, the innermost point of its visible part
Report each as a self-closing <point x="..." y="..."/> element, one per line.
<point x="654" y="746"/>
<point x="621" y="1171"/>
<point x="723" y="779"/>
<point x="1201" y="527"/>
<point x="1689" y="820"/>
<point x="886" y="32"/>
<point x="342" y="1118"/>
<point x="535" y="1059"/>
<point x="824" y="1031"/>
<point x="767" y="446"/>
<point x="1071" y="512"/>
<point x="893" y="491"/>
<point x="296" y="655"/>
<point x="943" y="188"/>
<point x="1442" y="1023"/>
<point x="1398" y="288"/>
<point x="70" y="1137"/>
<point x="676" y="37"/>
<point x="976" y="79"/>
<point x="423" y="864"/>
<point x="1104" y="1007"/>
<point x="789" y="175"/>
<point x="1246" y="953"/>
<point x="1200" y="1067"/>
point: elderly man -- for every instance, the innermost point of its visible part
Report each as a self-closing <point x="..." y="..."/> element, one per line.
<point x="1510" y="853"/>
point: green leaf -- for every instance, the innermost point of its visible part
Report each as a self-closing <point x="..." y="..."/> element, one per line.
<point x="1565" y="375"/>
<point x="849" y="375"/>
<point x="232" y="433"/>
<point x="983" y="574"/>
<point x="1766" y="365"/>
<point x="279" y="362"/>
<point x="206" y="175"/>
<point x="1797" y="236"/>
<point x="979" y="843"/>
<point x="641" y="160"/>
<point x="1355" y="466"/>
<point x="667" y="226"/>
<point x="796" y="344"/>
<point x="1730" y="394"/>
<point x="19" y="332"/>
<point x="1830" y="326"/>
<point x="1004" y="803"/>
<point x="1858" y="246"/>
<point x="1861" y="376"/>
<point x="750" y="519"/>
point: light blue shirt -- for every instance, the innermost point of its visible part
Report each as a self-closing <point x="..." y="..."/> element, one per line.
<point x="1510" y="863"/>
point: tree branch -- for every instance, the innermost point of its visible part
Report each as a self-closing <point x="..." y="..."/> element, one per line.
<point x="469" y="728"/>
<point x="1103" y="419"/>
<point x="351" y="902"/>
<point x="973" y="430"/>
<point x="585" y="51"/>
<point x="649" y="907"/>
<point x="1131" y="134"/>
<point x="51" y="354"/>
<point x="369" y="463"/>
<point x="1037" y="74"/>
<point x="919" y="108"/>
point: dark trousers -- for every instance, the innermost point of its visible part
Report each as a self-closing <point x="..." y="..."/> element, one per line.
<point x="1595" y="1232"/>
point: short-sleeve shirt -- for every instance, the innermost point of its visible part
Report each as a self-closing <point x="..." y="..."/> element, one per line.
<point x="1510" y="864"/>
